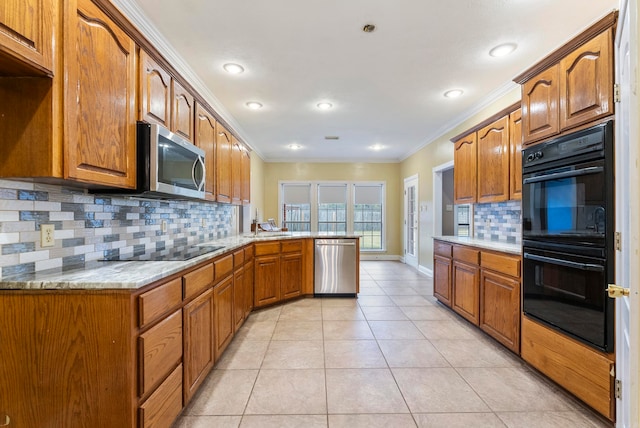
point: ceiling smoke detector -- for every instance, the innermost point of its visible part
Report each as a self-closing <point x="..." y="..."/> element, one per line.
<point x="369" y="28"/>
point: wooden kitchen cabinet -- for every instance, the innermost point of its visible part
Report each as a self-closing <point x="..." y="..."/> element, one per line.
<point x="236" y="171"/>
<point x="540" y="106"/>
<point x="464" y="172"/>
<point x="493" y="161"/>
<point x="238" y="289"/>
<point x="500" y="308"/>
<point x="466" y="290"/>
<point x="199" y="343"/>
<point x="27" y="36"/>
<point x="586" y="82"/>
<point x="163" y="406"/>
<point x="100" y="102"/>
<point x="515" y="155"/>
<point x="246" y="177"/>
<point x="224" y="155"/>
<point x="291" y="275"/>
<point x="279" y="272"/>
<point x="182" y="111"/>
<point x="205" y="138"/>
<point x="155" y="91"/>
<point x="442" y="271"/>
<point x="224" y="321"/>
<point x="266" y="280"/>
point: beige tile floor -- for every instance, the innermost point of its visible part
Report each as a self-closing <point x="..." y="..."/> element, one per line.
<point x="394" y="357"/>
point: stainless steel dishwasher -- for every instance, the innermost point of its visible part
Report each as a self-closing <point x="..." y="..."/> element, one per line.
<point x="336" y="267"/>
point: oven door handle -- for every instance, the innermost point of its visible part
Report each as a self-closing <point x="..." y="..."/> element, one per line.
<point x="565" y="174"/>
<point x="566" y="263"/>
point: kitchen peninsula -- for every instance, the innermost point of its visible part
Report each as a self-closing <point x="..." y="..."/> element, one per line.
<point x="129" y="343"/>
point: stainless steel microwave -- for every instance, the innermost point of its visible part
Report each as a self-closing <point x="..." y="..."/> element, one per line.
<point x="168" y="166"/>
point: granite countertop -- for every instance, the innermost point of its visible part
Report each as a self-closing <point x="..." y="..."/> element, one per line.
<point x="502" y="246"/>
<point x="99" y="275"/>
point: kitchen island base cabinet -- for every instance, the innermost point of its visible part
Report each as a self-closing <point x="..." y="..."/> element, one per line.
<point x="581" y="370"/>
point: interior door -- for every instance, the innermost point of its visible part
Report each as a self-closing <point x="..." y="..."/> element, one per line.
<point x="411" y="221"/>
<point x="627" y="207"/>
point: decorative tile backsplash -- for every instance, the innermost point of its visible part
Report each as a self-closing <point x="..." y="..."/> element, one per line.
<point x="500" y="221"/>
<point x="89" y="227"/>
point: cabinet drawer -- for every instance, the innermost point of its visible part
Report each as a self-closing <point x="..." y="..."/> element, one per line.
<point x="248" y="253"/>
<point x="442" y="249"/>
<point x="291" y="246"/>
<point x="158" y="301"/>
<point x="466" y="254"/>
<point x="264" y="248"/>
<point x="238" y="259"/>
<point x="160" y="350"/>
<point x="198" y="280"/>
<point x="224" y="266"/>
<point x="503" y="263"/>
<point x="165" y="404"/>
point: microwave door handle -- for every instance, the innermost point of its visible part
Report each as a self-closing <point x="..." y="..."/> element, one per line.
<point x="199" y="184"/>
<point x="565" y="174"/>
<point x="565" y="263"/>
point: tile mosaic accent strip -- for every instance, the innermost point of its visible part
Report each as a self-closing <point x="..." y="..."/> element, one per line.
<point x="89" y="227"/>
<point x="499" y="221"/>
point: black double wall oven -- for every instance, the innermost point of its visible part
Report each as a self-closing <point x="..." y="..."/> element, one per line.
<point x="567" y="233"/>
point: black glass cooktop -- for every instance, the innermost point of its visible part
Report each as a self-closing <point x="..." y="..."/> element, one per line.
<point x="180" y="253"/>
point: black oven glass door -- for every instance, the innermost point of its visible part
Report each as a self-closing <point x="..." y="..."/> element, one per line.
<point x="568" y="292"/>
<point x="566" y="204"/>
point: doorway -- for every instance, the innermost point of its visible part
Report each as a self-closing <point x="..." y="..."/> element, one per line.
<point x="411" y="223"/>
<point x="443" y="208"/>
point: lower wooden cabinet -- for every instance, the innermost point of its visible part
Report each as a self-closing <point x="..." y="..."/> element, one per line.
<point x="267" y="280"/>
<point x="224" y="321"/>
<point x="466" y="291"/>
<point x="442" y="279"/>
<point x="500" y="308"/>
<point x="279" y="272"/>
<point x="198" y="342"/>
<point x="164" y="405"/>
<point x="291" y="275"/>
<point x="239" y="300"/>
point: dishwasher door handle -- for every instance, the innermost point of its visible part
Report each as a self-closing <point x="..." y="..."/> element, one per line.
<point x="341" y="244"/>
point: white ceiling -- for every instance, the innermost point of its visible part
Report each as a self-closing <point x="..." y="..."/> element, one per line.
<point x="386" y="87"/>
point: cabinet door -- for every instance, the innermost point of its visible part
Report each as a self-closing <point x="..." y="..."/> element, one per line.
<point x="540" y="110"/>
<point x="100" y="101"/>
<point x="206" y="140"/>
<point x="291" y="275"/>
<point x="236" y="172"/>
<point x="223" y="310"/>
<point x="515" y="158"/>
<point x="26" y="31"/>
<point x="248" y="288"/>
<point x="493" y="162"/>
<point x="466" y="291"/>
<point x="464" y="171"/>
<point x="223" y="165"/>
<point x="266" y="280"/>
<point x="246" y="177"/>
<point x="500" y="308"/>
<point x="198" y="342"/>
<point x="442" y="279"/>
<point x="238" y="298"/>
<point x="155" y="91"/>
<point x="182" y="111"/>
<point x="586" y="82"/>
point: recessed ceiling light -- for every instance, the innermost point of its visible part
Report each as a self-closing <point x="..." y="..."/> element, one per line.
<point x="377" y="147"/>
<point x="254" y="105"/>
<point x="453" y="93"/>
<point x="503" y="49"/>
<point x="295" y="146"/>
<point x="233" y="68"/>
<point x="324" y="106"/>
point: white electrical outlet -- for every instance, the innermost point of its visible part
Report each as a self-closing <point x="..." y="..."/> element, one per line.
<point x="46" y="235"/>
<point x="163" y="226"/>
<point x="204" y="222"/>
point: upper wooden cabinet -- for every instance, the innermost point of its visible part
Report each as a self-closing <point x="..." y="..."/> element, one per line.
<point x="100" y="99"/>
<point x="540" y="112"/>
<point x="493" y="161"/>
<point x="206" y="140"/>
<point x="572" y="86"/>
<point x="464" y="172"/>
<point x="182" y="111"/>
<point x="27" y="36"/>
<point x="155" y="91"/>
<point x="586" y="84"/>
<point x="224" y="178"/>
<point x="236" y="171"/>
<point x="246" y="177"/>
<point x="515" y="155"/>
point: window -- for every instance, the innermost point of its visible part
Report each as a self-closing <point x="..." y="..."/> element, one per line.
<point x="336" y="208"/>
<point x="296" y="207"/>
<point x="332" y="209"/>
<point x="367" y="215"/>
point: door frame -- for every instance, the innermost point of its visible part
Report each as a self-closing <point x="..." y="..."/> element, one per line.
<point x="437" y="196"/>
<point x="411" y="261"/>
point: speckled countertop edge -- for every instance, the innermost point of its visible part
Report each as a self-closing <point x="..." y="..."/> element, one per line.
<point x="131" y="275"/>
<point x="502" y="246"/>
